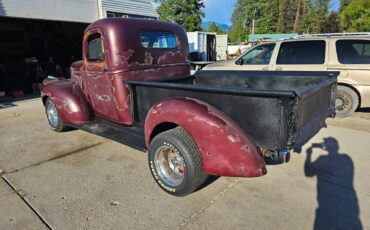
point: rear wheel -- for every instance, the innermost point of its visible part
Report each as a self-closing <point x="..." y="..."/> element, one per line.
<point x="55" y="123"/>
<point x="175" y="162"/>
<point x="346" y="101"/>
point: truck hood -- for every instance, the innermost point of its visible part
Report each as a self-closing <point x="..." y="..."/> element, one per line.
<point x="222" y="65"/>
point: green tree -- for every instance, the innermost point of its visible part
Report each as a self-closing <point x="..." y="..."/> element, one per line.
<point x="355" y="17"/>
<point x="278" y="16"/>
<point x="187" y="13"/>
<point x="214" y="28"/>
<point x="258" y="16"/>
<point x="237" y="33"/>
<point x="344" y="3"/>
<point x="331" y="24"/>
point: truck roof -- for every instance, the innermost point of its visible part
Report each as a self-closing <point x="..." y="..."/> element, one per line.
<point x="122" y="38"/>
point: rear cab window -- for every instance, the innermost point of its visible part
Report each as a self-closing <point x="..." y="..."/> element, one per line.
<point x="302" y="53"/>
<point x="353" y="51"/>
<point x="158" y="39"/>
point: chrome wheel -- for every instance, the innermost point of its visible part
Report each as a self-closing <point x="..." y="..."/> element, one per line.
<point x="343" y="102"/>
<point x="169" y="165"/>
<point x="52" y="114"/>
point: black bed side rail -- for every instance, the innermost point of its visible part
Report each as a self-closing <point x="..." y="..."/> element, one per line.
<point x="215" y="89"/>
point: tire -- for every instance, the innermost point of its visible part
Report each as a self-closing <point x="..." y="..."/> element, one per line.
<point x="55" y="122"/>
<point x="346" y="101"/>
<point x="175" y="163"/>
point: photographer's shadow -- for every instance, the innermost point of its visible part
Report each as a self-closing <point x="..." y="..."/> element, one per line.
<point x="337" y="200"/>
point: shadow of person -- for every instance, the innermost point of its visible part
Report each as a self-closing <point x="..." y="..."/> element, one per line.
<point x="337" y="201"/>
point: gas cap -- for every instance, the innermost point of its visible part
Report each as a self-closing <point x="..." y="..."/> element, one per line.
<point x="343" y="74"/>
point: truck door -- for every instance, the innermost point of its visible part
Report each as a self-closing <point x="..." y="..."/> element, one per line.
<point x="257" y="58"/>
<point x="98" y="84"/>
<point x="302" y="56"/>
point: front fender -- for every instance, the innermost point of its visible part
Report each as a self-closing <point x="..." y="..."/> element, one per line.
<point x="225" y="148"/>
<point x="69" y="99"/>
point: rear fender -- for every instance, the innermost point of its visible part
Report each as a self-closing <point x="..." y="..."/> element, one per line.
<point x="69" y="99"/>
<point x="224" y="147"/>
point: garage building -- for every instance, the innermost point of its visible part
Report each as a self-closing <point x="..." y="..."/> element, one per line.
<point x="43" y="37"/>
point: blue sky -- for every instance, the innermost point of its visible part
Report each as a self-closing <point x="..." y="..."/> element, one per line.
<point x="221" y="10"/>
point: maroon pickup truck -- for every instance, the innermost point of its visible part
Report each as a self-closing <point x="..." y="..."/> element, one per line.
<point x="133" y="86"/>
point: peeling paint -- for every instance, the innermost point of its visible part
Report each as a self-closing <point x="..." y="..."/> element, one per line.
<point x="123" y="57"/>
<point x="148" y="58"/>
<point x="105" y="98"/>
<point x="170" y="57"/>
<point x="246" y="148"/>
<point x="233" y="138"/>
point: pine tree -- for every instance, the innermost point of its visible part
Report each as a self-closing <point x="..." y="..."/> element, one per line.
<point x="278" y="16"/>
<point x="187" y="13"/>
<point x="214" y="28"/>
<point x="355" y="16"/>
<point x="331" y="24"/>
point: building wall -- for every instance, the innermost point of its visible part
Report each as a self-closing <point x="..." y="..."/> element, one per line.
<point x="59" y="10"/>
<point x="129" y="7"/>
<point x="85" y="11"/>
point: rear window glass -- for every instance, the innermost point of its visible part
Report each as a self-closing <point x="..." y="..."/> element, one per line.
<point x="353" y="51"/>
<point x="301" y="52"/>
<point x="158" y="39"/>
<point x="95" y="51"/>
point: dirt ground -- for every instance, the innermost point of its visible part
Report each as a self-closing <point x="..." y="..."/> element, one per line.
<point x="360" y="120"/>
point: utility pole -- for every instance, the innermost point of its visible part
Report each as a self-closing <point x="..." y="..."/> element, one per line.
<point x="253" y="25"/>
<point x="254" y="21"/>
<point x="297" y="15"/>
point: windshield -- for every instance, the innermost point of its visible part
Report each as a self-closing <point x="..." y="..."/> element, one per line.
<point x="258" y="55"/>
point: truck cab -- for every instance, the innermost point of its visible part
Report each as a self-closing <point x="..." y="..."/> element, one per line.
<point x="130" y="49"/>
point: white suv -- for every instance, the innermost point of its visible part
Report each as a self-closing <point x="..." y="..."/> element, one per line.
<point x="348" y="53"/>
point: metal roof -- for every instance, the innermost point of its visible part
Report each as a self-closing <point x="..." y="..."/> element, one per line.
<point x="272" y="37"/>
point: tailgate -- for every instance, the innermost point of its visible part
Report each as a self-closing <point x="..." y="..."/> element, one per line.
<point x="314" y="105"/>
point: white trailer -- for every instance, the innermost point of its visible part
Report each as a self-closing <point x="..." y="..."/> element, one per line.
<point x="207" y="46"/>
<point x="221" y="47"/>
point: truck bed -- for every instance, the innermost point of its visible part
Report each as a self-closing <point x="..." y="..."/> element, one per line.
<point x="278" y="110"/>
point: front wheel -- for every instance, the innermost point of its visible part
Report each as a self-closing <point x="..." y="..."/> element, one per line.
<point x="346" y="101"/>
<point x="55" y="123"/>
<point x="175" y="162"/>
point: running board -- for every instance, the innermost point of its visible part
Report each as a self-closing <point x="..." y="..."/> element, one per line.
<point x="130" y="136"/>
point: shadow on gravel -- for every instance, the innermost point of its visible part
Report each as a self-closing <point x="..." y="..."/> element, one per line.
<point x="209" y="181"/>
<point x="337" y="200"/>
<point x="8" y="102"/>
<point x="5" y="105"/>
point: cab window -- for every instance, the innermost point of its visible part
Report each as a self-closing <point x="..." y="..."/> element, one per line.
<point x="259" y="55"/>
<point x="95" y="52"/>
<point x="301" y="52"/>
<point x="158" y="39"/>
<point x="353" y="51"/>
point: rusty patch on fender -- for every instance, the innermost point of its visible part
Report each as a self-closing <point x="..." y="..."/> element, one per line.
<point x="246" y="148"/>
<point x="105" y="98"/>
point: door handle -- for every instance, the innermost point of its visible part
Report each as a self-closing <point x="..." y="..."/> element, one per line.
<point x="279" y="68"/>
